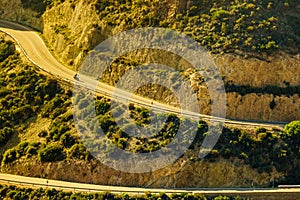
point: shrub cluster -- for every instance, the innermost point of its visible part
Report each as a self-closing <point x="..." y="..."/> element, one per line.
<point x="24" y="94"/>
<point x="14" y="192"/>
<point x="51" y="153"/>
<point x="252" y="26"/>
<point x="22" y="149"/>
<point x="263" y="149"/>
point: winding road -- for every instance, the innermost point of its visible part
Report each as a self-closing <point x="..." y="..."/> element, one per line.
<point x="37" y="52"/>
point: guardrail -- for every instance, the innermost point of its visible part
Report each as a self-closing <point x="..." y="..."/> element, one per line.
<point x="288" y="186"/>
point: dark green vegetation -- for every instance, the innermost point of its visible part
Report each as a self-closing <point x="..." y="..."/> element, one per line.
<point x="250" y="26"/>
<point x="24" y="94"/>
<point x="219" y="25"/>
<point x="263" y="150"/>
<point x="19" y="193"/>
<point x="120" y="138"/>
<point x="18" y="95"/>
<point x="7" y="49"/>
<point x="36" y="5"/>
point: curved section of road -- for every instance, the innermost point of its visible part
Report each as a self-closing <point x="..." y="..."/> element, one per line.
<point x="37" y="52"/>
<point x="35" y="49"/>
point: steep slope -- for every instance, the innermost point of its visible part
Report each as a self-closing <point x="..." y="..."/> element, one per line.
<point x="38" y="138"/>
<point x="260" y="40"/>
<point x="246" y="28"/>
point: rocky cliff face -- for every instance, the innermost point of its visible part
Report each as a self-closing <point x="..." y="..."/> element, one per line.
<point x="73" y="28"/>
<point x="281" y="71"/>
<point x="278" y="70"/>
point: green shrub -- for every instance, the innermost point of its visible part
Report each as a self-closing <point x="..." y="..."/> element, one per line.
<point x="78" y="151"/>
<point x="23" y="113"/>
<point x="101" y="107"/>
<point x="7" y="48"/>
<point x="22" y="149"/>
<point x="9" y="156"/>
<point x="5" y="135"/>
<point x="293" y="129"/>
<point x="31" y="150"/>
<point x="51" y="153"/>
<point x="43" y="133"/>
<point x="57" y="130"/>
<point x="292" y="134"/>
<point x="36" y="5"/>
<point x="67" y="140"/>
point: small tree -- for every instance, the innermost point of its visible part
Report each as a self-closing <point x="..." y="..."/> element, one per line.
<point x="51" y="153"/>
<point x="292" y="133"/>
<point x="6" y="49"/>
<point x="9" y="156"/>
<point x="5" y="135"/>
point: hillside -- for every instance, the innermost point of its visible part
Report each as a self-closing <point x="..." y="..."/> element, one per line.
<point x="250" y="26"/>
<point x="254" y="43"/>
<point x="38" y="138"/>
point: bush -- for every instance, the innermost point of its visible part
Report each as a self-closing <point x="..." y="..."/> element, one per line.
<point x="6" y="49"/>
<point x="9" y="156"/>
<point x="261" y="130"/>
<point x="67" y="140"/>
<point x="23" y="113"/>
<point x="57" y="130"/>
<point x="292" y="131"/>
<point x="22" y="149"/>
<point x="78" y="151"/>
<point x="51" y="153"/>
<point x="5" y="135"/>
<point x="101" y="107"/>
